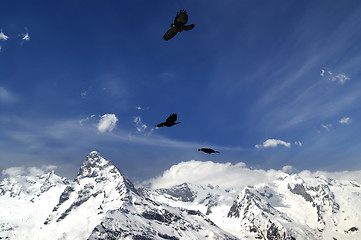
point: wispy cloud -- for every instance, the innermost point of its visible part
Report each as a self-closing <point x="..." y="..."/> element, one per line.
<point x="141" y="127"/>
<point x="345" y="120"/>
<point x="298" y="143"/>
<point x="84" y="120"/>
<point x="273" y="143"/>
<point x="84" y="94"/>
<point x="142" y="108"/>
<point x="326" y="126"/>
<point x="13" y="171"/>
<point x="6" y="96"/>
<point x="107" y="123"/>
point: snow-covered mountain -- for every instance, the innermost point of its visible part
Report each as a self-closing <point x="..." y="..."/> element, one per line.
<point x="101" y="203"/>
<point x="290" y="207"/>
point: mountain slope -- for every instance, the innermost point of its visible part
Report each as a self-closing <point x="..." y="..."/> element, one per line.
<point x="290" y="207"/>
<point x="25" y="201"/>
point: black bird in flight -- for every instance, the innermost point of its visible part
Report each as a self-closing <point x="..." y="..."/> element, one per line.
<point x="170" y="121"/>
<point x="207" y="150"/>
<point x="178" y="25"/>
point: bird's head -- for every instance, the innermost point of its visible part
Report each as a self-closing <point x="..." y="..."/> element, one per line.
<point x="199" y="149"/>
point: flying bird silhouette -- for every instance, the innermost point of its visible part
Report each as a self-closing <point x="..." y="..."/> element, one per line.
<point x="170" y="121"/>
<point x="207" y="150"/>
<point x="178" y="25"/>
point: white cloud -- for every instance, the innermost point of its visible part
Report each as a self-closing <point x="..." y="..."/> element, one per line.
<point x="340" y="78"/>
<point x="139" y="108"/>
<point x="298" y="143"/>
<point x="273" y="143"/>
<point x="345" y="120"/>
<point x="107" y="123"/>
<point x="3" y="37"/>
<point x="141" y="127"/>
<point x="1" y="47"/>
<point x="327" y="126"/>
<point x="226" y="175"/>
<point x="26" y="37"/>
<point x="6" y="96"/>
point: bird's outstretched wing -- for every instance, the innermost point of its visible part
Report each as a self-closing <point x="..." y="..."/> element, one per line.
<point x="169" y="34"/>
<point x="172" y="118"/>
<point x="188" y="27"/>
<point x="181" y="18"/>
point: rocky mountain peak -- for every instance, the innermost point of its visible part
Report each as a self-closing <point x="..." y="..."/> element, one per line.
<point x="95" y="166"/>
<point x="97" y="169"/>
<point x="99" y="184"/>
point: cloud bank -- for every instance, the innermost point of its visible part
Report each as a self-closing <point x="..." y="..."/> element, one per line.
<point x="29" y="171"/>
<point x="236" y="176"/>
<point x="107" y="123"/>
<point x="273" y="143"/>
<point x="226" y="175"/>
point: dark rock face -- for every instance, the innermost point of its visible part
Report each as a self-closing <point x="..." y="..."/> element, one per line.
<point x="180" y="192"/>
<point x="351" y="230"/>
<point x="299" y="189"/>
<point x="163" y="216"/>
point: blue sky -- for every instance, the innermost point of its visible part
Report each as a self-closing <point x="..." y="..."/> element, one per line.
<point x="266" y="83"/>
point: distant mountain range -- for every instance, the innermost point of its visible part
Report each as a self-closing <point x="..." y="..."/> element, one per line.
<point x="101" y="203"/>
